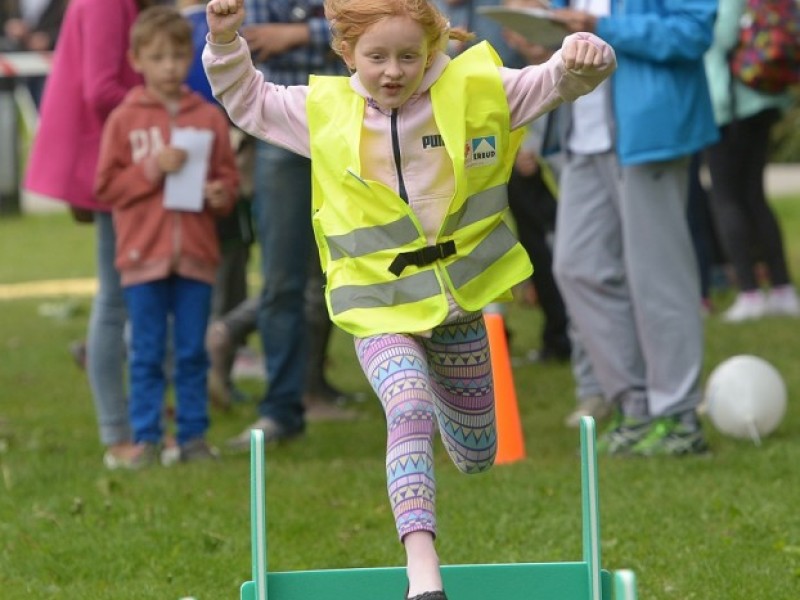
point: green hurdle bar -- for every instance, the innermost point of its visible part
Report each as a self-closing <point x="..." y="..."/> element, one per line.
<point x="580" y="580"/>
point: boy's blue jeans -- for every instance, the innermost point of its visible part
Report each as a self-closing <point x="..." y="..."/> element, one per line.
<point x="149" y="307"/>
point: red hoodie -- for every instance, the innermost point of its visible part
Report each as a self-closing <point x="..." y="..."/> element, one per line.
<point x="153" y="242"/>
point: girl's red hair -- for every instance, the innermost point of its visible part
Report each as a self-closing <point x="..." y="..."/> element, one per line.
<point x="349" y="19"/>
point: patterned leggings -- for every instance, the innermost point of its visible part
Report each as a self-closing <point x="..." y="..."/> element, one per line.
<point x="448" y="375"/>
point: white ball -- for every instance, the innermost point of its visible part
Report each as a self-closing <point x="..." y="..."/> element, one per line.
<point x="746" y="397"/>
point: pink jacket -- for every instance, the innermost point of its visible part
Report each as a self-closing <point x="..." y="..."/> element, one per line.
<point x="152" y="241"/>
<point x="278" y="115"/>
<point x="89" y="77"/>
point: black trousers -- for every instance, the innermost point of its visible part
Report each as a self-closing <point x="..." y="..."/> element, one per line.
<point x="746" y="225"/>
<point x="534" y="209"/>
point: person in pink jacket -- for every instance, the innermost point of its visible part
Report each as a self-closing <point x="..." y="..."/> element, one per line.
<point x="401" y="243"/>
<point x="167" y="168"/>
<point x="90" y="76"/>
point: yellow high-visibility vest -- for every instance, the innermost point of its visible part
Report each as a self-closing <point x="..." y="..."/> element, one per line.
<point x="381" y="274"/>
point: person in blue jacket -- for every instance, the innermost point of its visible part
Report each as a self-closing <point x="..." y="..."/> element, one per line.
<point x="623" y="251"/>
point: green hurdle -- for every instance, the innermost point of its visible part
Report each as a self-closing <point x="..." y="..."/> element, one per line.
<point x="580" y="580"/>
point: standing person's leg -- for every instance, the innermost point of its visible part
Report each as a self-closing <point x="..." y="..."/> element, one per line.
<point x="534" y="209"/>
<point x="728" y="169"/>
<point x="664" y="284"/>
<point x="230" y="287"/>
<point x="697" y="212"/>
<point x="282" y="206"/>
<point x="319" y="333"/>
<point x="589" y="395"/>
<point x="768" y="237"/>
<point x="395" y="366"/>
<point x="223" y="339"/>
<point x="106" y="348"/>
<point x="229" y="332"/>
<point x="589" y="265"/>
<point x="148" y="307"/>
<point x="781" y="298"/>
<point x="746" y="224"/>
<point x="191" y="305"/>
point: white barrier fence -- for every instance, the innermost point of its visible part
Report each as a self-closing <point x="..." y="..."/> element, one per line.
<point x="16" y="109"/>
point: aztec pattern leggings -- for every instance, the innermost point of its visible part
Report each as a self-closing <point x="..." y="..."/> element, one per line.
<point x="447" y="376"/>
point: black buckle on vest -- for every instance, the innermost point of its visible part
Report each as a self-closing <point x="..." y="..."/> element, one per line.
<point x="423" y="256"/>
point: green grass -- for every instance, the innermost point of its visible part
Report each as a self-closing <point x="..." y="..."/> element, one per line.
<point x="692" y="529"/>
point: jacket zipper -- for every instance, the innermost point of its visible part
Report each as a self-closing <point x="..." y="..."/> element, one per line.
<point x="177" y="234"/>
<point x="401" y="185"/>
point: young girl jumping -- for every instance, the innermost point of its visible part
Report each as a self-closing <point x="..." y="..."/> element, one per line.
<point x="410" y="159"/>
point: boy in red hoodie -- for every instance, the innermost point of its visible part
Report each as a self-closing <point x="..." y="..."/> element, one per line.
<point x="155" y="146"/>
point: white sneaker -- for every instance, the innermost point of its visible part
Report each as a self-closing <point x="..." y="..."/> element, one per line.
<point x="783" y="301"/>
<point x="591" y="406"/>
<point x="748" y="306"/>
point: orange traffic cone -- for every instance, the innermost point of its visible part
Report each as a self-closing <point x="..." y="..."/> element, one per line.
<point x="510" y="442"/>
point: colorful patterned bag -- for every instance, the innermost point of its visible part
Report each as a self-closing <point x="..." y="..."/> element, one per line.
<point x="768" y="55"/>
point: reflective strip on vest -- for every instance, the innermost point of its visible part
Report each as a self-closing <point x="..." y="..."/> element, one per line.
<point x="413" y="288"/>
<point x="372" y="239"/>
<point x="477" y="207"/>
<point x="493" y="247"/>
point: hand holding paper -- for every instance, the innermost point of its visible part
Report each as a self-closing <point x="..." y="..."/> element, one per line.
<point x="171" y="159"/>
<point x="184" y="189"/>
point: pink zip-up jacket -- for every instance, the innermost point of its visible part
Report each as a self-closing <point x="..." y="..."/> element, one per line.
<point x="89" y="77"/>
<point x="277" y="114"/>
<point x="153" y="241"/>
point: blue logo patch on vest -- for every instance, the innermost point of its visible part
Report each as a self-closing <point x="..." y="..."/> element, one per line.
<point x="481" y="151"/>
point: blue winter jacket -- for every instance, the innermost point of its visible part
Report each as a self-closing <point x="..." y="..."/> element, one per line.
<point x="661" y="101"/>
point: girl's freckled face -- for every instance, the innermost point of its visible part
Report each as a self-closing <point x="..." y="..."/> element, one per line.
<point x="390" y="58"/>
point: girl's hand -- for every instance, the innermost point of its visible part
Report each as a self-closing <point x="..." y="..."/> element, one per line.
<point x="170" y="159"/>
<point x="582" y="54"/>
<point x="216" y="194"/>
<point x="224" y="18"/>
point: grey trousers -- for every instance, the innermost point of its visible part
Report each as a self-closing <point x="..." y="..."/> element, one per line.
<point x="624" y="262"/>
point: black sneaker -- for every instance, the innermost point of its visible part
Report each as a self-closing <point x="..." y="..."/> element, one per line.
<point x="196" y="450"/>
<point x="429" y="596"/>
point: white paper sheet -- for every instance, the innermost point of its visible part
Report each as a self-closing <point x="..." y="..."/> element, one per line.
<point x="183" y="189"/>
<point x="536" y="24"/>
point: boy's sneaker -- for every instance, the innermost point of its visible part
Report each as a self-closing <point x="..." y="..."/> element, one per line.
<point x="622" y="435"/>
<point x="669" y="437"/>
<point x="146" y="455"/>
<point x="197" y="450"/>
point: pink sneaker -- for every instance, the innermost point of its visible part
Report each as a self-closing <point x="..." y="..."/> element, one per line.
<point x="783" y="301"/>
<point x="747" y="307"/>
